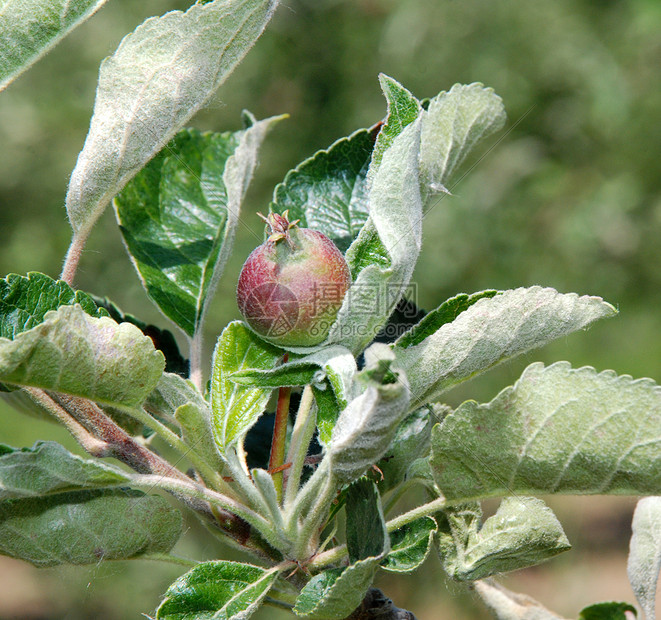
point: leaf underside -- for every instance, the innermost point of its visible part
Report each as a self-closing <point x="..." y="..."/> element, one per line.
<point x="522" y="533"/>
<point x="73" y="353"/>
<point x="492" y="330"/>
<point x="48" y="468"/>
<point x="86" y="527"/>
<point x="508" y="605"/>
<point x="557" y="430"/>
<point x="365" y="429"/>
<point x="644" y="560"/>
<point x="156" y="80"/>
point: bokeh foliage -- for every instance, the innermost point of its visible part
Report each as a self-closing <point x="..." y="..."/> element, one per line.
<point x="569" y="196"/>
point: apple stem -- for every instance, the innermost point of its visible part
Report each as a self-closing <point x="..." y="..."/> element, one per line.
<point x="279" y="439"/>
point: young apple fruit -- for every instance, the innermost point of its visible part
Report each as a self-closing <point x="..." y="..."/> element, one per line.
<point x="291" y="287"/>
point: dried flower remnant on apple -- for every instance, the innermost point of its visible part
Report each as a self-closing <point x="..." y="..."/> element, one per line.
<point x="291" y="287"/>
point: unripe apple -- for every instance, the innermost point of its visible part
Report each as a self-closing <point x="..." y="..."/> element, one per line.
<point x="291" y="287"/>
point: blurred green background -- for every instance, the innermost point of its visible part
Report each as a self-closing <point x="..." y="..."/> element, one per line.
<point x="568" y="195"/>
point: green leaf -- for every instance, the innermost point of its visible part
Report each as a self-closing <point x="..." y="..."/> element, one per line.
<point x="523" y="532"/>
<point x="328" y="192"/>
<point x="220" y="590"/>
<point x="411" y="442"/>
<point x="331" y="372"/>
<point x="403" y="109"/>
<point x="159" y="76"/>
<point x="454" y="122"/>
<point x="30" y="28"/>
<point x="447" y="312"/>
<point x="48" y="468"/>
<point x="557" y="430"/>
<point x="179" y="214"/>
<point x="328" y="411"/>
<point x="645" y="554"/>
<point x="296" y="372"/>
<point x="491" y="331"/>
<point x="73" y="353"/>
<point x="24" y="301"/>
<point x="310" y="368"/>
<point x="368" y="250"/>
<point x="365" y="428"/>
<point x="607" y="611"/>
<point x="86" y="527"/>
<point x="367" y="536"/>
<point x="235" y="408"/>
<point x="508" y="605"/>
<point x="383" y="256"/>
<point x="340" y="372"/>
<point x="335" y="593"/>
<point x="410" y="545"/>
